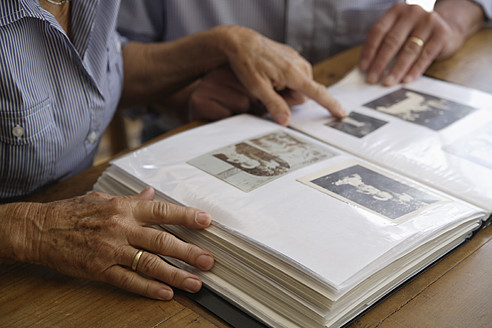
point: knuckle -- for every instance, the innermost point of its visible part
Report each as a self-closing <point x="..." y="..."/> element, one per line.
<point x="306" y="67"/>
<point x="197" y="98"/>
<point x="147" y="289"/>
<point x="431" y="19"/>
<point x="119" y="204"/>
<point x="290" y="66"/>
<point x="288" y="50"/>
<point x="174" y="276"/>
<point x="96" y="194"/>
<point x="161" y="209"/>
<point x="318" y="89"/>
<point x="411" y="48"/>
<point x="379" y="28"/>
<point x="400" y="6"/>
<point x="377" y="67"/>
<point x="149" y="263"/>
<point x="391" y="41"/>
<point x="415" y="10"/>
<point x="189" y="252"/>
<point x="164" y="240"/>
<point x="256" y="89"/>
<point x="427" y="55"/>
<point x="124" y="281"/>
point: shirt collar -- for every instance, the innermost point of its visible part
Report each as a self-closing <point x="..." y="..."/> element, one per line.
<point x="14" y="10"/>
<point x="83" y="18"/>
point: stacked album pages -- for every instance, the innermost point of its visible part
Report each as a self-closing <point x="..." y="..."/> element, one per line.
<point x="307" y="233"/>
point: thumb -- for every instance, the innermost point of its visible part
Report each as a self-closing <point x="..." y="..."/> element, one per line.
<point x="146" y="194"/>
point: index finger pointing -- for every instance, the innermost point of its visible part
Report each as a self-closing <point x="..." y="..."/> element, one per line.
<point x="149" y="212"/>
<point x="318" y="93"/>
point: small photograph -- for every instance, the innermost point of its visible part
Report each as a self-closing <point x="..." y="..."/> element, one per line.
<point x="356" y="124"/>
<point x="476" y="147"/>
<point x="359" y="185"/>
<point x="252" y="163"/>
<point x="420" y="108"/>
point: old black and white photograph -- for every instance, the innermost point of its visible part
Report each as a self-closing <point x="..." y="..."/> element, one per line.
<point x="252" y="163"/>
<point x="356" y="124"/>
<point x="476" y="147"/>
<point x="420" y="108"/>
<point x="372" y="190"/>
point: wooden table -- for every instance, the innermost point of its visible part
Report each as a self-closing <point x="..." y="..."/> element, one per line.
<point x="455" y="292"/>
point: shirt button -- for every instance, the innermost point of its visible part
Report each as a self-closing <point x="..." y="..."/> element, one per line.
<point x="92" y="137"/>
<point x="18" y="131"/>
<point x="118" y="45"/>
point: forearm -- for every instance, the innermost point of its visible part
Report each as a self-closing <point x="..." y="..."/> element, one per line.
<point x="155" y="71"/>
<point x="463" y="16"/>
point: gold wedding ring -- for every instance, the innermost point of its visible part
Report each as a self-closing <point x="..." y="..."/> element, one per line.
<point x="279" y="88"/>
<point x="136" y="258"/>
<point x="417" y="41"/>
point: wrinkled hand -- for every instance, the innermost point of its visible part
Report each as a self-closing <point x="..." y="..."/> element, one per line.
<point x="97" y="236"/>
<point x="219" y="94"/>
<point x="261" y="64"/>
<point x="390" y="39"/>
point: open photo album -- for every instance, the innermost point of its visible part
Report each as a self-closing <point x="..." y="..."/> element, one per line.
<point x="315" y="222"/>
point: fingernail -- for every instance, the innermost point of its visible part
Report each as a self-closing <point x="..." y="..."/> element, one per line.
<point x="203" y="218"/>
<point x="340" y="112"/>
<point x="145" y="190"/>
<point x="372" y="78"/>
<point x="408" y="79"/>
<point x="343" y="112"/>
<point x="282" y="119"/>
<point x="165" y="294"/>
<point x="192" y="285"/>
<point x="364" y="64"/>
<point x="205" y="262"/>
<point x="389" y="80"/>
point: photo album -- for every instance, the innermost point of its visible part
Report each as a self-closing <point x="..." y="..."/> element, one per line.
<point x="315" y="222"/>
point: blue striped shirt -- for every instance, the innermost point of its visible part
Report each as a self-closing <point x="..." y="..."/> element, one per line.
<point x="57" y="96"/>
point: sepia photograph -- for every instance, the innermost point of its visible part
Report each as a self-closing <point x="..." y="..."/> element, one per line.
<point x="420" y="108"/>
<point x="252" y="163"/>
<point x="356" y="124"/>
<point x="363" y="187"/>
<point x="476" y="147"/>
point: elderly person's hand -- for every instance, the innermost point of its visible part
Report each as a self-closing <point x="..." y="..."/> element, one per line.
<point x="264" y="66"/>
<point x="406" y="39"/>
<point x="219" y="94"/>
<point x="99" y="237"/>
<point x="269" y="72"/>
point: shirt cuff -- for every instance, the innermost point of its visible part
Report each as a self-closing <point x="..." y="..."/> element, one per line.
<point x="123" y="40"/>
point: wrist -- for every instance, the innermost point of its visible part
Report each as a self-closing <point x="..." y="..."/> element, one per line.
<point x="464" y="17"/>
<point x="20" y="232"/>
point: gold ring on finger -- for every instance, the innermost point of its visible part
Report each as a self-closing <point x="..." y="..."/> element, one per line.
<point x="418" y="41"/>
<point x="279" y="87"/>
<point x="136" y="258"/>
